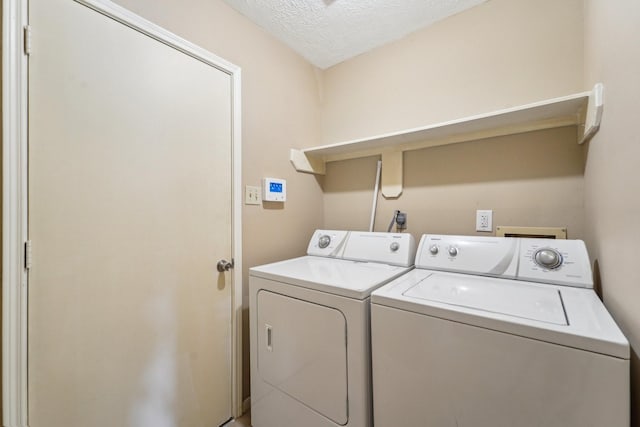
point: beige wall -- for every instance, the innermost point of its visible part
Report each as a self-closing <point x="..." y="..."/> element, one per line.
<point x="280" y="110"/>
<point x="612" y="180"/>
<point x="533" y="179"/>
<point x="500" y="54"/>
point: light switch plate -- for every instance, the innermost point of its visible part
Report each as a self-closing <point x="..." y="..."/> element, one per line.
<point x="251" y="195"/>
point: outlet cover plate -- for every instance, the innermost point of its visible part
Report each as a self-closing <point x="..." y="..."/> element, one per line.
<point x="484" y="220"/>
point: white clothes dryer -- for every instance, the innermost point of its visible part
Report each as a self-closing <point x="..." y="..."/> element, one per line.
<point x="310" y="329"/>
<point x="497" y="332"/>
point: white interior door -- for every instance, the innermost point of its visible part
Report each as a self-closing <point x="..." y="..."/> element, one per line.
<point x="129" y="210"/>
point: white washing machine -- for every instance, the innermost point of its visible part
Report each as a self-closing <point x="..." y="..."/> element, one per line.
<point x="309" y="329"/>
<point x="497" y="332"/>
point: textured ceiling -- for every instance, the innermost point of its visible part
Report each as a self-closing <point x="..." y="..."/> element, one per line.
<point x="327" y="32"/>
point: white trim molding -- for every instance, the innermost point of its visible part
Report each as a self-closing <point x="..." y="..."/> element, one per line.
<point x="14" y="214"/>
<point x="15" y="202"/>
<point x="236" y="315"/>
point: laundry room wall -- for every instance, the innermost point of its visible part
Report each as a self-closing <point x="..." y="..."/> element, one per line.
<point x="500" y="54"/>
<point x="612" y="179"/>
<point x="280" y="110"/>
<point x="533" y="179"/>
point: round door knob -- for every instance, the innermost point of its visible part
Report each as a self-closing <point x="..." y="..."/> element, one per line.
<point x="433" y="249"/>
<point x="453" y="251"/>
<point x="394" y="246"/>
<point x="324" y="241"/>
<point x="224" y="265"/>
<point x="548" y="258"/>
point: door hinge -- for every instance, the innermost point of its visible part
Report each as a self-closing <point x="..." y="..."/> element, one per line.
<point x="26" y="39"/>
<point x="27" y="254"/>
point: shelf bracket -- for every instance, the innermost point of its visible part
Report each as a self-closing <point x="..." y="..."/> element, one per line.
<point x="594" y="113"/>
<point x="305" y="163"/>
<point x="391" y="174"/>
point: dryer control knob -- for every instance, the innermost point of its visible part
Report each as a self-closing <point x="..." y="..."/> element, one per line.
<point x="453" y="251"/>
<point x="433" y="249"/>
<point x="324" y="241"/>
<point x="394" y="246"/>
<point x="547" y="258"/>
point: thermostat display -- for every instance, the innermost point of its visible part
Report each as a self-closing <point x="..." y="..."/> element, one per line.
<point x="274" y="190"/>
<point x="275" y="187"/>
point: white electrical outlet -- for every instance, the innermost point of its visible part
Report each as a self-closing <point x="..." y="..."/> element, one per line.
<point x="251" y="195"/>
<point x="484" y="220"/>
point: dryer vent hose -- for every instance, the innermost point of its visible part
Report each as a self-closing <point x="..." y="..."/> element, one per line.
<point x="375" y="196"/>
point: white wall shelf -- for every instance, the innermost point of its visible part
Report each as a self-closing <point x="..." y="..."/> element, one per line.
<point x="583" y="110"/>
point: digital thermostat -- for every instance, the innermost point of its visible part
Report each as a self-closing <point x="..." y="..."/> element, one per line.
<point x="274" y="190"/>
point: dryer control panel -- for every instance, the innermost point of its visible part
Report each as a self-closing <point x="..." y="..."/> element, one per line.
<point x="388" y="248"/>
<point x="561" y="262"/>
<point x="327" y="243"/>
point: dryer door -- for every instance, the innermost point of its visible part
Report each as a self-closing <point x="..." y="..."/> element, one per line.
<point x="302" y="351"/>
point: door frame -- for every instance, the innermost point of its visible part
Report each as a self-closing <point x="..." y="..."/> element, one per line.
<point x="15" y="196"/>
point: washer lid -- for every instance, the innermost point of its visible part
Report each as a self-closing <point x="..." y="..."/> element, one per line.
<point x="481" y="293"/>
<point x="587" y="324"/>
<point x="353" y="279"/>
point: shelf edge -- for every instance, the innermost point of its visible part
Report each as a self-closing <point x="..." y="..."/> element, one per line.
<point x="594" y="113"/>
<point x="582" y="98"/>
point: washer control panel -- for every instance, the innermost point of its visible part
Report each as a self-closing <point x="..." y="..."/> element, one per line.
<point x="548" y="258"/>
<point x="468" y="254"/>
<point x="561" y="262"/>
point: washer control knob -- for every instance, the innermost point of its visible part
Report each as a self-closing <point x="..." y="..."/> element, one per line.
<point x="394" y="246"/>
<point x="324" y="241"/>
<point x="548" y="258"/>
<point x="433" y="249"/>
<point x="453" y="251"/>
